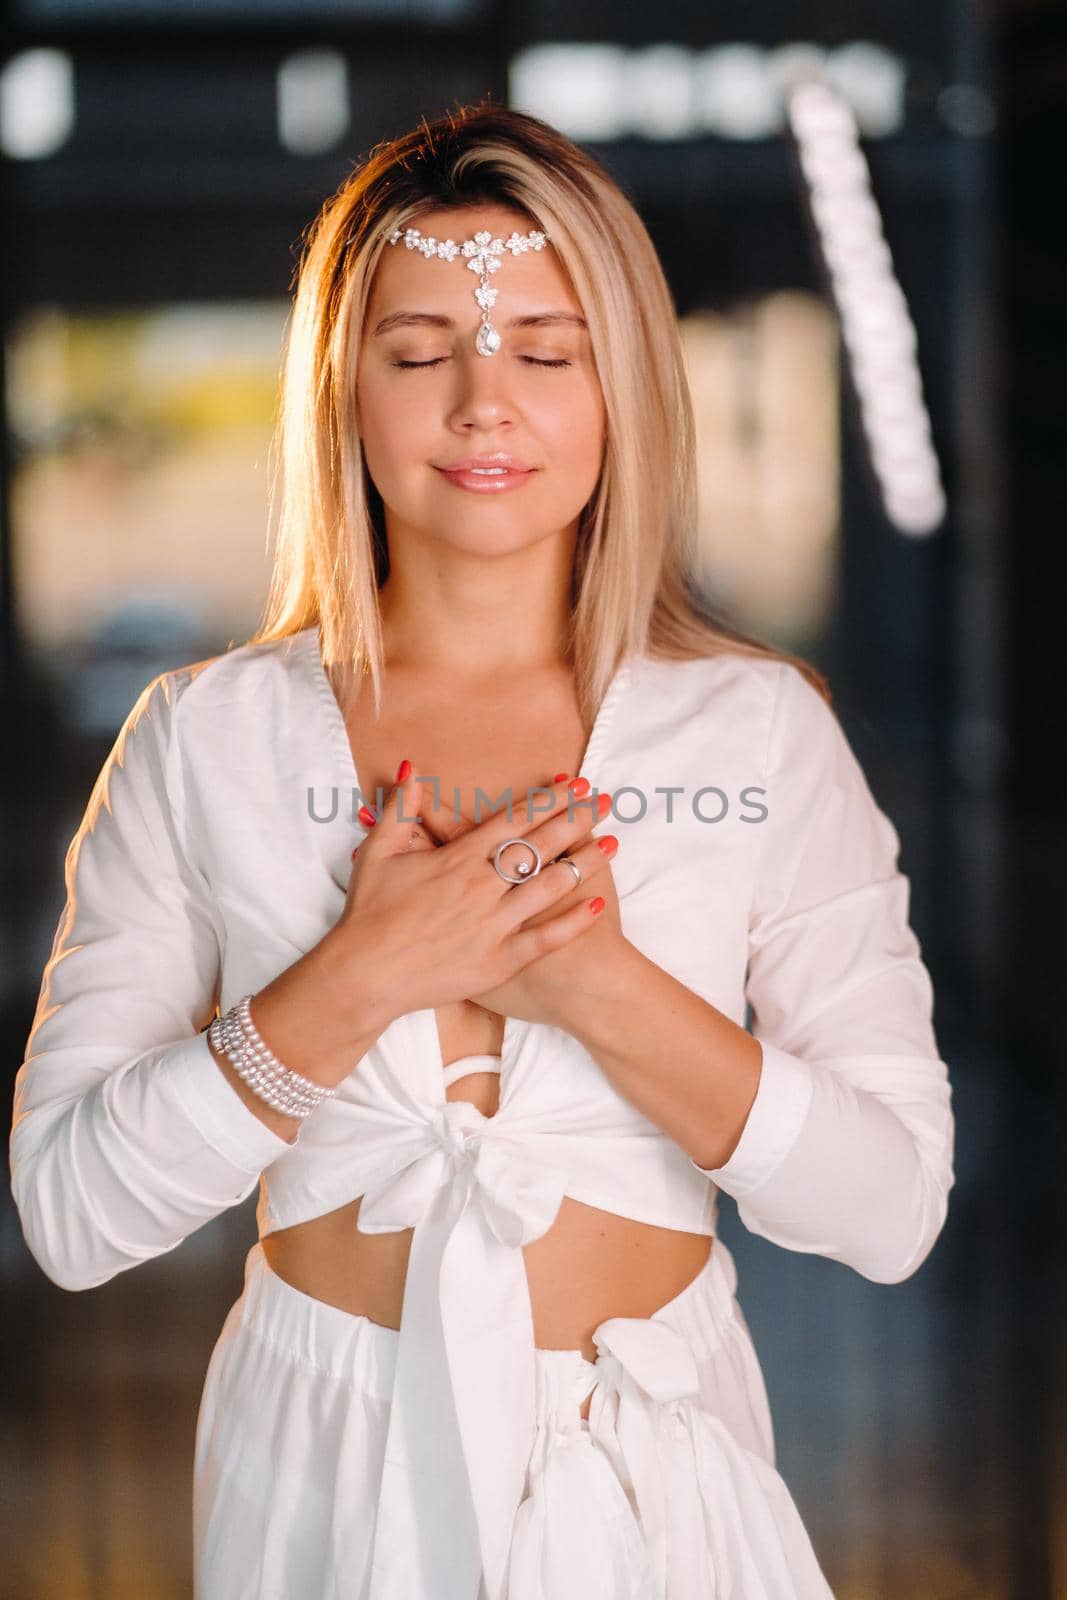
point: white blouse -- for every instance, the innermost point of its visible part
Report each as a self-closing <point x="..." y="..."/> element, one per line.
<point x="754" y="865"/>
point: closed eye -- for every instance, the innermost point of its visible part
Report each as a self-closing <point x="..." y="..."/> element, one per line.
<point x="533" y="360"/>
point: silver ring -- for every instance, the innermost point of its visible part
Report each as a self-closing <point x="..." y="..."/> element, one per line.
<point x="565" y="861"/>
<point x="525" y="872"/>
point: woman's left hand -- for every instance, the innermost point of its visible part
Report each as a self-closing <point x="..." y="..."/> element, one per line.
<point x="542" y="990"/>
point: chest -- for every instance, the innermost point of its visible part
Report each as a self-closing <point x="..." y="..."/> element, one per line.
<point x="500" y="740"/>
<point x="273" y="798"/>
<point x="475" y="747"/>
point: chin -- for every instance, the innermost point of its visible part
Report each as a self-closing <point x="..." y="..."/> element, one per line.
<point x="502" y="539"/>
<point x="488" y="527"/>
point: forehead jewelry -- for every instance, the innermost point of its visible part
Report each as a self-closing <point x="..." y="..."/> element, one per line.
<point x="483" y="254"/>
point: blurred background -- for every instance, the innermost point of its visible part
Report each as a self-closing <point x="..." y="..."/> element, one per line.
<point x="857" y="206"/>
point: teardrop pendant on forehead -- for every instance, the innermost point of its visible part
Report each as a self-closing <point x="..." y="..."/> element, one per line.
<point x="482" y="255"/>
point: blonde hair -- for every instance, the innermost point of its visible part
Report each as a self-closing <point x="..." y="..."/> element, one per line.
<point x="632" y="587"/>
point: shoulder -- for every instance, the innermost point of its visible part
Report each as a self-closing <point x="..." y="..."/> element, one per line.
<point x="711" y="693"/>
<point x="241" y="675"/>
<point x="226" y="711"/>
<point x="761" y="711"/>
<point x="707" y="675"/>
<point x="254" y="683"/>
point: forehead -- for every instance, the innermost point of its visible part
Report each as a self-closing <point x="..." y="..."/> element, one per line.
<point x="421" y="282"/>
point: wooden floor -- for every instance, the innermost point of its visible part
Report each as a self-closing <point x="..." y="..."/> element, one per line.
<point x="899" y="1409"/>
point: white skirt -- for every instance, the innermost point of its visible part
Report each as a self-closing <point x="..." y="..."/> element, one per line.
<point x="651" y="1498"/>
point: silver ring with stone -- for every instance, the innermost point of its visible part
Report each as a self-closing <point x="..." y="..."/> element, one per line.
<point x="565" y="861"/>
<point x="525" y="871"/>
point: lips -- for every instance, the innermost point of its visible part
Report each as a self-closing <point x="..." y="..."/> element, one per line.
<point x="487" y="477"/>
<point x="489" y="473"/>
<point x="499" y="459"/>
<point x="487" y="480"/>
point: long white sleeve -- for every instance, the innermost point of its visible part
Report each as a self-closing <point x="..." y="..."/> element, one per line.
<point x="126" y="1136"/>
<point x="847" y="1151"/>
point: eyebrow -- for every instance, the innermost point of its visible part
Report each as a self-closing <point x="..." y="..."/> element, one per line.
<point x="431" y="319"/>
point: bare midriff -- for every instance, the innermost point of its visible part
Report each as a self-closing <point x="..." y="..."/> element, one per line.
<point x="590" y="1264"/>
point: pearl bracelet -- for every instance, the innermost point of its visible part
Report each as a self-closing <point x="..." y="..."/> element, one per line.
<point x="236" y="1037"/>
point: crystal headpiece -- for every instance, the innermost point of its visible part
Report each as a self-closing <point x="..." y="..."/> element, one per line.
<point x="483" y="254"/>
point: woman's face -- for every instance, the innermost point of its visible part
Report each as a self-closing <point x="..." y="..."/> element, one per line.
<point x="537" y="399"/>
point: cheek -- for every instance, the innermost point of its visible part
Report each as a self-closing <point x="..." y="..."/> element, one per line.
<point x="391" y="431"/>
<point x="577" y="427"/>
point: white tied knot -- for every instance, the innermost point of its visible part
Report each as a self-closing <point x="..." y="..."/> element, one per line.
<point x="458" y="1126"/>
<point x="650" y="1355"/>
<point x="461" y="1415"/>
<point x="656" y="1497"/>
<point x="460" y="1147"/>
<point x="716" y="1520"/>
<point x="592" y="1520"/>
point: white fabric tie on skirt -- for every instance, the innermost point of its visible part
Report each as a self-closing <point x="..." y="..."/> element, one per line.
<point x="658" y="1498"/>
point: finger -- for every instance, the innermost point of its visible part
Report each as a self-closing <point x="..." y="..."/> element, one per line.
<point x="590" y="858"/>
<point x="400" y="815"/>
<point x="530" y="944"/>
<point x="544" y="801"/>
<point x="561" y="835"/>
<point x="418" y="839"/>
<point x="447" y="825"/>
<point x="567" y="830"/>
<point x="593" y="861"/>
<point x="444" y="825"/>
<point x="575" y="812"/>
<point x="555" y="882"/>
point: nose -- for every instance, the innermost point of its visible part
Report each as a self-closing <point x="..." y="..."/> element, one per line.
<point x="482" y="401"/>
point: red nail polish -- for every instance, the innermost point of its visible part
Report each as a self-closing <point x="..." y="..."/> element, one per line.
<point x="608" y="843"/>
<point x="579" y="787"/>
<point x="561" y="777"/>
<point x="367" y="817"/>
<point x="597" y="905"/>
<point x="603" y="805"/>
<point x="402" y="770"/>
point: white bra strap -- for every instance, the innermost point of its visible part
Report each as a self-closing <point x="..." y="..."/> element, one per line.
<point x="465" y="1064"/>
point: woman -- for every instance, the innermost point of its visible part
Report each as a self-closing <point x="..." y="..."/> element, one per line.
<point x="489" y="1066"/>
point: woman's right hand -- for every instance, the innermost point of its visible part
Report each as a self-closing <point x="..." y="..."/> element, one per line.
<point x="432" y="923"/>
<point x="423" y="924"/>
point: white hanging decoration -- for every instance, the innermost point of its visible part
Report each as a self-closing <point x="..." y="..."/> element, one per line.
<point x="876" y="324"/>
